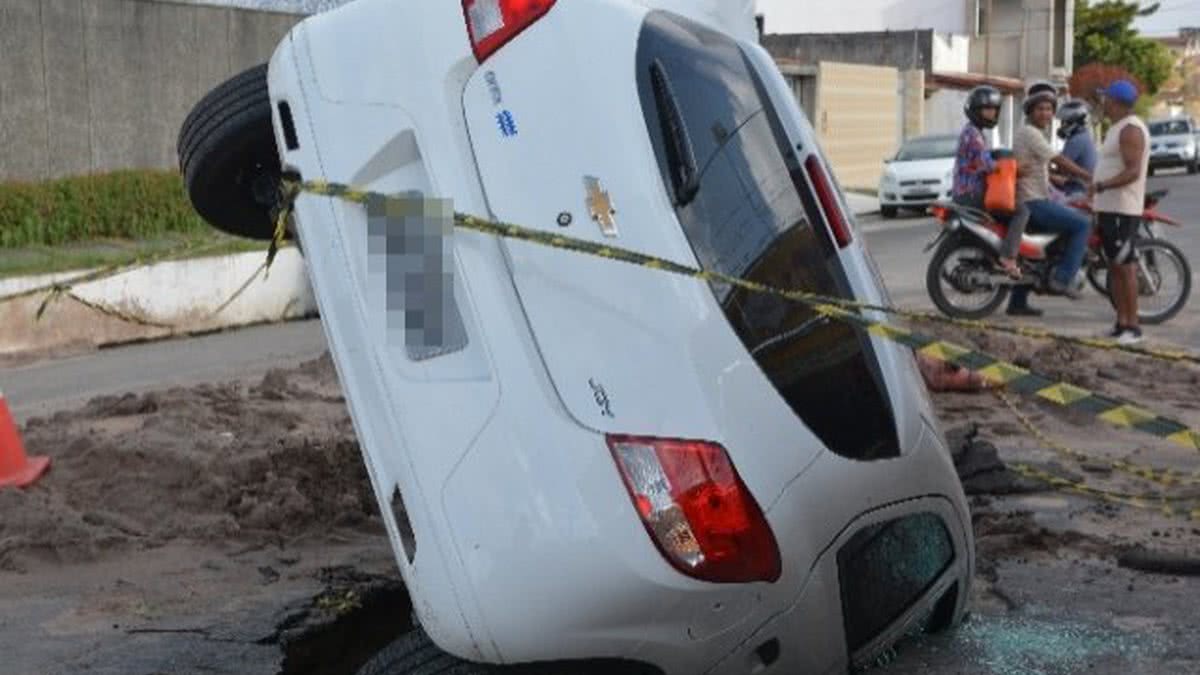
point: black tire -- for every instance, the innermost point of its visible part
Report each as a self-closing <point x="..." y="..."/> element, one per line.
<point x="228" y="156"/>
<point x="414" y="653"/>
<point x="933" y="281"/>
<point x="1098" y="278"/>
<point x="1194" y="167"/>
<point x="888" y="211"/>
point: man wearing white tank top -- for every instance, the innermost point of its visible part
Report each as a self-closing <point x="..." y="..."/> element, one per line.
<point x="1120" y="192"/>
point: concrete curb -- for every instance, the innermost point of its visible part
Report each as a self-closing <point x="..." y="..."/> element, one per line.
<point x="181" y="294"/>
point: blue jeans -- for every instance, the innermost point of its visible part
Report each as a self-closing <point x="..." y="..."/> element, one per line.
<point x="1047" y="216"/>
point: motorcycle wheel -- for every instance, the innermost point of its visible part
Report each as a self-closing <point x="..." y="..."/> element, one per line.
<point x="1162" y="266"/>
<point x="950" y="290"/>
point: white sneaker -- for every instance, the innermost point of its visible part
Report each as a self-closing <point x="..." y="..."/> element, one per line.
<point x="1130" y="336"/>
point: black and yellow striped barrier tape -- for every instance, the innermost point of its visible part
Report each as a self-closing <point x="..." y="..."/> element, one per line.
<point x="1112" y="410"/>
<point x="348" y="193"/>
<point x="1165" y="477"/>
<point x="1171" y="506"/>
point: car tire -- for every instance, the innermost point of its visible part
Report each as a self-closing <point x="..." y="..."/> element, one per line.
<point x="414" y="652"/>
<point x="229" y="159"/>
<point x="1194" y="167"/>
<point x="1150" y="172"/>
<point x="888" y="211"/>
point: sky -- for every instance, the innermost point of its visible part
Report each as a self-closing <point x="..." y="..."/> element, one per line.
<point x="1172" y="15"/>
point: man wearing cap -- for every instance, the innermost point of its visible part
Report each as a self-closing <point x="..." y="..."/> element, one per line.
<point x="1120" y="193"/>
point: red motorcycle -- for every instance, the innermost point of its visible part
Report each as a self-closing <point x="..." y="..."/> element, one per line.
<point x="965" y="279"/>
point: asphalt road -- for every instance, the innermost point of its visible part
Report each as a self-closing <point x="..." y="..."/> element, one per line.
<point x="896" y="244"/>
<point x="244" y="354"/>
<point x="46" y="386"/>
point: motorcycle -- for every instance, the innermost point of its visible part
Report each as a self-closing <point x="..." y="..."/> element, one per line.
<point x="965" y="279"/>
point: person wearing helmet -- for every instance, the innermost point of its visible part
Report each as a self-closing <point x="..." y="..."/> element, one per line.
<point x="1034" y="154"/>
<point x="1074" y="128"/>
<point x="973" y="158"/>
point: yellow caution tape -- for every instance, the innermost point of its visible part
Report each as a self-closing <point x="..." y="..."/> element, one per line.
<point x="1164" y="477"/>
<point x="1112" y="410"/>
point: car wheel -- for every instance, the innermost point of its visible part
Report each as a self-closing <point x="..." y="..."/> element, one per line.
<point x="888" y="211"/>
<point x="1194" y="167"/>
<point x="228" y="157"/>
<point x="1150" y="171"/>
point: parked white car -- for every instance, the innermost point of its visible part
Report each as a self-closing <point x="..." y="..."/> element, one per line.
<point x="1174" y="143"/>
<point x="921" y="173"/>
<point x="600" y="467"/>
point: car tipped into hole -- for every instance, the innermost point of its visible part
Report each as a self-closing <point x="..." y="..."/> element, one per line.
<point x="585" y="465"/>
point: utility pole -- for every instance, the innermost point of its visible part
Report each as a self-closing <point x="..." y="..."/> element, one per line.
<point x="987" y="54"/>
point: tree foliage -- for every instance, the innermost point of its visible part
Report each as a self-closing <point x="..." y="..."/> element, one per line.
<point x="1104" y="34"/>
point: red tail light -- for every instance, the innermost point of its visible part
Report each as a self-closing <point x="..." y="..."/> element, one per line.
<point x="492" y="23"/>
<point x="697" y="510"/>
<point x="940" y="212"/>
<point x="829" y="202"/>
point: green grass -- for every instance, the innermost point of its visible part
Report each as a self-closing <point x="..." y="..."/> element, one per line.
<point x="120" y="205"/>
<point x="101" y="219"/>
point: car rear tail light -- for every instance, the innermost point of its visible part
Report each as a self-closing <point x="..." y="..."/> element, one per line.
<point x="697" y="510"/>
<point x="829" y="203"/>
<point x="940" y="212"/>
<point x="492" y="23"/>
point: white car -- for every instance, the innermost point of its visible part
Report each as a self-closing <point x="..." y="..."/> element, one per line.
<point x="599" y="467"/>
<point x="1174" y="142"/>
<point x="921" y="173"/>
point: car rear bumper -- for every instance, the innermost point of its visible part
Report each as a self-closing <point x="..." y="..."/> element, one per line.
<point x="1170" y="161"/>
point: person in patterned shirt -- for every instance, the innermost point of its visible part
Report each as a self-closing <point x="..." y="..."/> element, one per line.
<point x="973" y="160"/>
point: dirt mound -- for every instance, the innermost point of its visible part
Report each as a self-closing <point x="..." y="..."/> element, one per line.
<point x="226" y="463"/>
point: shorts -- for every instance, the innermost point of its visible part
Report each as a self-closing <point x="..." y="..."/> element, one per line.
<point x="1119" y="234"/>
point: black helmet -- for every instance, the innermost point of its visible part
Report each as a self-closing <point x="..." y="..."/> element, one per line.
<point x="1072" y="117"/>
<point x="983" y="96"/>
<point x="1038" y="92"/>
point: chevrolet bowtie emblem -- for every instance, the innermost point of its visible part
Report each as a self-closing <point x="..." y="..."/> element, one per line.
<point x="600" y="206"/>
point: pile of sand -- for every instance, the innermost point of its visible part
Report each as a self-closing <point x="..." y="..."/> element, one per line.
<point x="264" y="464"/>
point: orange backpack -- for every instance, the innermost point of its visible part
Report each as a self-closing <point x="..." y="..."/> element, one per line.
<point x="1001" y="194"/>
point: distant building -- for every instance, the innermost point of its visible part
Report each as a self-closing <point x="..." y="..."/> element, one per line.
<point x="941" y="50"/>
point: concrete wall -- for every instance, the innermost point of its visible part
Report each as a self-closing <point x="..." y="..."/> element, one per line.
<point x="912" y="90"/>
<point x="199" y="287"/>
<point x="944" y="115"/>
<point x="951" y="53"/>
<point x="97" y="85"/>
<point x="1029" y="39"/>
<point x="823" y="16"/>
<point x="858" y="120"/>
<point x="907" y="50"/>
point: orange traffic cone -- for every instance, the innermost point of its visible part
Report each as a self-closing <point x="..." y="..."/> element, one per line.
<point x="16" y="470"/>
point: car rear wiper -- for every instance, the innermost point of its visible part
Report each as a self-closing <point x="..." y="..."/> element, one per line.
<point x="681" y="159"/>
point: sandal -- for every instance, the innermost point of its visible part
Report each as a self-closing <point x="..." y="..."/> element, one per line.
<point x="1010" y="267"/>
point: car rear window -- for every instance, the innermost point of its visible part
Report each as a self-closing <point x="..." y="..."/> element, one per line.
<point x="940" y="147"/>
<point x="744" y="205"/>
<point x="885" y="568"/>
